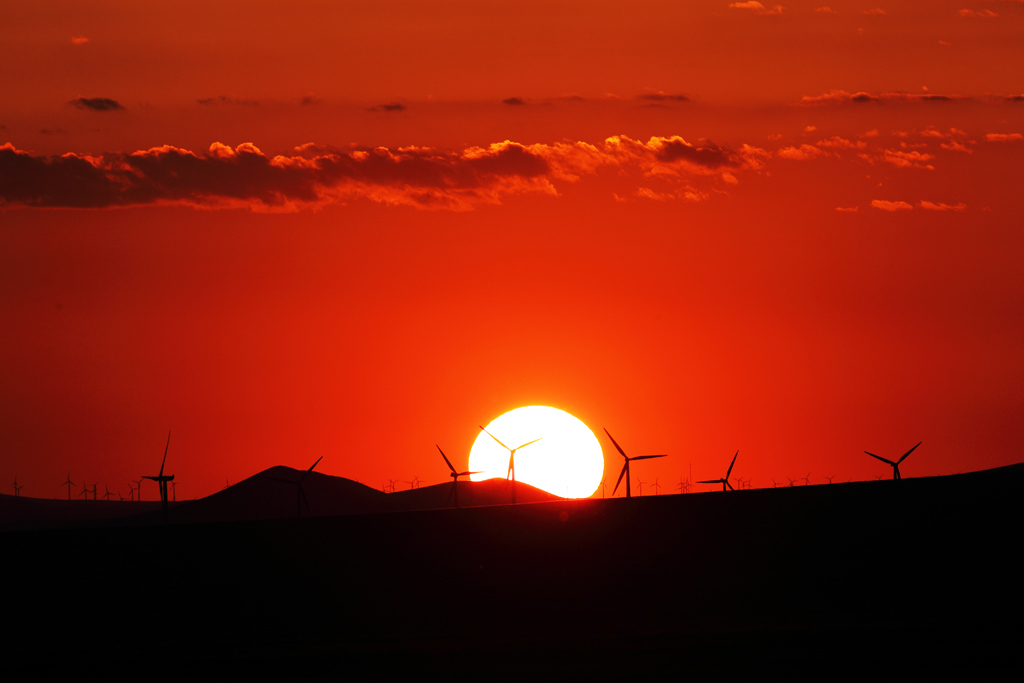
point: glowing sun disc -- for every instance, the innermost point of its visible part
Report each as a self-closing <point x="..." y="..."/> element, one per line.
<point x="567" y="461"/>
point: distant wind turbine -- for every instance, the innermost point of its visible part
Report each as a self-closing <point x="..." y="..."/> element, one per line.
<point x="724" y="481"/>
<point x="300" y="495"/>
<point x="454" y="491"/>
<point x="625" y="465"/>
<point x="895" y="465"/>
<point x="511" y="460"/>
<point x="17" y="487"/>
<point x="69" y="484"/>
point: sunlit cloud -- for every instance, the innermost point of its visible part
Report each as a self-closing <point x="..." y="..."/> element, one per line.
<point x="933" y="206"/>
<point x="826" y="10"/>
<point x="877" y="11"/>
<point x="801" y="153"/>
<point x="1004" y="137"/>
<point x="983" y="13"/>
<point x="912" y="159"/>
<point x="847" y="209"/>
<point x="886" y="205"/>
<point x="79" y="40"/>
<point x="96" y="103"/>
<point x="756" y="7"/>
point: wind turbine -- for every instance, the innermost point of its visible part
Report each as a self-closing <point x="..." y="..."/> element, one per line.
<point x="625" y="465"/>
<point x="455" y="478"/>
<point x="69" y="484"/>
<point x="17" y="489"/>
<point x="161" y="479"/>
<point x="300" y="495"/>
<point x="895" y="465"/>
<point x="725" y="480"/>
<point x="511" y="460"/>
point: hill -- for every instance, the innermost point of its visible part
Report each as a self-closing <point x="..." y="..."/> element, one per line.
<point x="912" y="576"/>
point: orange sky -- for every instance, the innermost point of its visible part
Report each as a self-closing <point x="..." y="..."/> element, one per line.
<point x="360" y="229"/>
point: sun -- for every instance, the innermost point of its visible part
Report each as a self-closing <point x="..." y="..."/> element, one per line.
<point x="566" y="461"/>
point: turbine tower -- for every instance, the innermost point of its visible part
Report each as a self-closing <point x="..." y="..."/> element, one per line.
<point x="725" y="480"/>
<point x="162" y="479"/>
<point x="300" y="495"/>
<point x="625" y="466"/>
<point x="455" y="478"/>
<point x="511" y="460"/>
<point x="895" y="465"/>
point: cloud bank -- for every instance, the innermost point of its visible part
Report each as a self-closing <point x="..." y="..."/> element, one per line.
<point x="413" y="176"/>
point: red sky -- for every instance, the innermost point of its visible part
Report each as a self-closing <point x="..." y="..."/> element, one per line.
<point x="359" y="229"/>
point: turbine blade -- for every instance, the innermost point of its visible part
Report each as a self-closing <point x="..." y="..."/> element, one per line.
<point x="446" y="460"/>
<point x="527" y="444"/>
<point x="463" y="474"/>
<point x="164" y="461"/>
<point x="710" y="481"/>
<point x="617" y="446"/>
<point x="729" y="472"/>
<point x="496" y="439"/>
<point x="885" y="460"/>
<point x="621" y="474"/>
<point x="315" y="464"/>
<point x="648" y="457"/>
<point x="908" y="453"/>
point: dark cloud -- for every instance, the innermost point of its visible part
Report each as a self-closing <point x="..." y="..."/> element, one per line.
<point x="710" y="156"/>
<point x="244" y="176"/>
<point x="96" y="103"/>
<point x="514" y="101"/>
<point x="311" y="100"/>
<point x="662" y="97"/>
<point x="228" y="99"/>
<point x="842" y="96"/>
<point x="391" y="106"/>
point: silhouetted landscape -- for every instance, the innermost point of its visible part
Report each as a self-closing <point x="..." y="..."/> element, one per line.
<point x="916" y="575"/>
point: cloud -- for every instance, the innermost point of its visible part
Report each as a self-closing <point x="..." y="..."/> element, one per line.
<point x="244" y="176"/>
<point x="96" y="103"/>
<point x="847" y="209"/>
<point x="930" y="206"/>
<point x="390" y="106"/>
<point x="844" y="97"/>
<point x="877" y="11"/>
<point x="756" y="7"/>
<point x="826" y="10"/>
<point x="229" y="100"/>
<point x="801" y="153"/>
<point x="310" y="100"/>
<point x="983" y="13"/>
<point x="659" y="96"/>
<point x="513" y="101"/>
<point x="886" y="205"/>
<point x="836" y="142"/>
<point x="902" y="159"/>
<point x="1004" y="137"/>
<point x="79" y="40"/>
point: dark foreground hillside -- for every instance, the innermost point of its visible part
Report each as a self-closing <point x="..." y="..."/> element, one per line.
<point x="910" y="576"/>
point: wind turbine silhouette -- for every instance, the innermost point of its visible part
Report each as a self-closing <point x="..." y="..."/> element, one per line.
<point x="895" y="465"/>
<point x="17" y="489"/>
<point x="69" y="484"/>
<point x="455" y="478"/>
<point x="511" y="460"/>
<point x="161" y="479"/>
<point x="625" y="465"/>
<point x="725" y="480"/>
<point x="300" y="495"/>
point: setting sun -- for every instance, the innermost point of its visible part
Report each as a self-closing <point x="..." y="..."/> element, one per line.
<point x="564" y="458"/>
